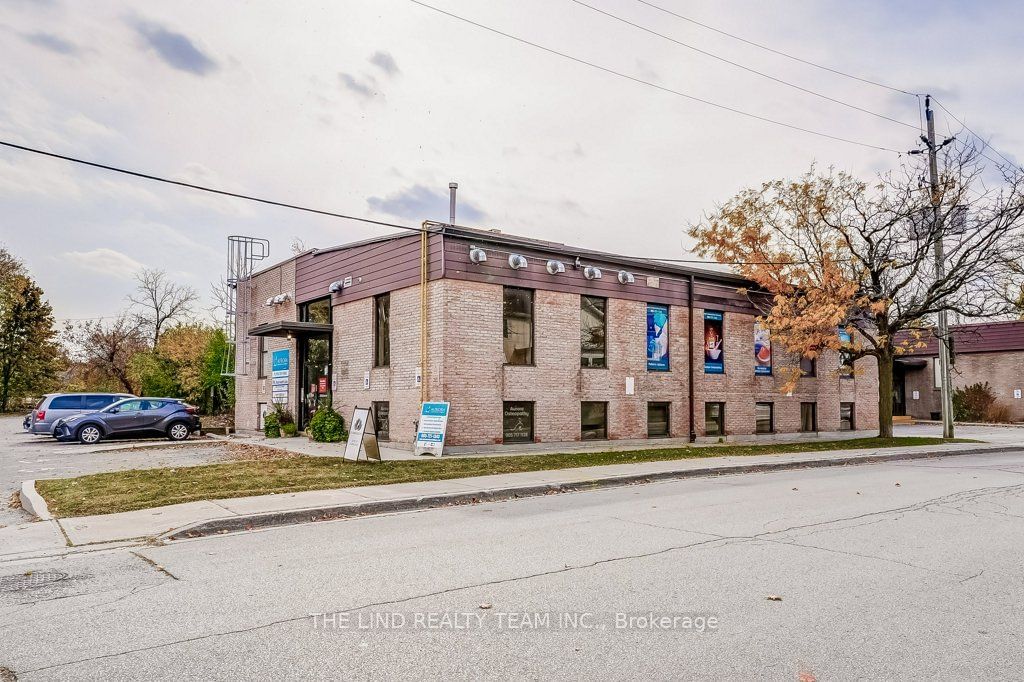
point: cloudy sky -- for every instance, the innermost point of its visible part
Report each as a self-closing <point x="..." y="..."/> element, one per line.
<point x="370" y="108"/>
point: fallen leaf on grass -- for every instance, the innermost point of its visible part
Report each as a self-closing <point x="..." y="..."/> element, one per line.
<point x="486" y="605"/>
<point x="773" y="597"/>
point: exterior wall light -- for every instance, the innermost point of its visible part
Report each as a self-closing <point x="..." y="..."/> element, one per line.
<point x="555" y="267"/>
<point x="626" y="277"/>
<point x="590" y="272"/>
<point x="336" y="287"/>
<point x="270" y="302"/>
<point x="517" y="262"/>
<point x="477" y="255"/>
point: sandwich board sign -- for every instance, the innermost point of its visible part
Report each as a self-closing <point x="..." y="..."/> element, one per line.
<point x="432" y="427"/>
<point x="362" y="437"/>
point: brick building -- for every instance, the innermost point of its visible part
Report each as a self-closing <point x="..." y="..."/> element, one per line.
<point x="529" y="341"/>
<point x="991" y="352"/>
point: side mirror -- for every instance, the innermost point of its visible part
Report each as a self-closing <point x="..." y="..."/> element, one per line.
<point x="115" y="410"/>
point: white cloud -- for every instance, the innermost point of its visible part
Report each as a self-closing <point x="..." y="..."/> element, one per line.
<point x="104" y="261"/>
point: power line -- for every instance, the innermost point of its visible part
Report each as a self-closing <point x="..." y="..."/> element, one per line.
<point x="983" y="140"/>
<point x="744" y="67"/>
<point x="651" y="84"/>
<point x="774" y="51"/>
<point x="202" y="188"/>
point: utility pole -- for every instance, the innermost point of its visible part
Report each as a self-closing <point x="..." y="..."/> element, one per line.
<point x="940" y="269"/>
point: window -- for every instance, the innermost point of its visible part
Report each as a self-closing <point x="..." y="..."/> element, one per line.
<point x="845" y="364"/>
<point x="382" y="330"/>
<point x="518" y="326"/>
<point x="764" y="418"/>
<point x="593" y="421"/>
<point x="846" y="417"/>
<point x="382" y="418"/>
<point x="318" y="311"/>
<point x="657" y="420"/>
<point x="592" y="331"/>
<point x="936" y="373"/>
<point x="714" y="419"/>
<point x="808" y="367"/>
<point x="517" y="422"/>
<point x="264" y="368"/>
<point x="808" y="416"/>
<point x="261" y="413"/>
<point x="98" y="402"/>
<point x="66" y="402"/>
<point x="129" y="406"/>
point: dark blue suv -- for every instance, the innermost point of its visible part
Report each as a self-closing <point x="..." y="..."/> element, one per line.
<point x="138" y="417"/>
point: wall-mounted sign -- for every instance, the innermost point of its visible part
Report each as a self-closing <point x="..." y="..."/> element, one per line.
<point x="322" y="385"/>
<point x="366" y="381"/>
<point x="630" y="385"/>
<point x="714" y="350"/>
<point x="432" y="428"/>
<point x="762" y="350"/>
<point x="280" y="365"/>
<point x="657" y="338"/>
<point x="517" y="422"/>
<point x="916" y="395"/>
<point x="1016" y="393"/>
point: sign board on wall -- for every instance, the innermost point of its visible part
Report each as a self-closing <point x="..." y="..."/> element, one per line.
<point x="916" y="395"/>
<point x="432" y="428"/>
<point x="714" y="352"/>
<point x="1016" y="393"/>
<point x="657" y="338"/>
<point x="762" y="351"/>
<point x="280" y="365"/>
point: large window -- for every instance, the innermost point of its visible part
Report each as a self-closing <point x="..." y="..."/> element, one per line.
<point x="518" y="326"/>
<point x="714" y="419"/>
<point x="808" y="366"/>
<point x="846" y="422"/>
<point x="764" y="417"/>
<point x="517" y="422"/>
<point x="657" y="420"/>
<point x="593" y="326"/>
<point x="593" y="421"/>
<point x="66" y="402"/>
<point x="382" y="418"/>
<point x="316" y="311"/>
<point x="264" y="366"/>
<point x="382" y="330"/>
<point x="808" y="417"/>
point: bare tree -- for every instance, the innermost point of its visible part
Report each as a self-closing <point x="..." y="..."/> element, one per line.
<point x="220" y="294"/>
<point x="105" y="351"/>
<point x="834" y="252"/>
<point x="158" y="300"/>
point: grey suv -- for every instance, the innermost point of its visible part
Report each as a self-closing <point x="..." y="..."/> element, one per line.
<point x="56" y="406"/>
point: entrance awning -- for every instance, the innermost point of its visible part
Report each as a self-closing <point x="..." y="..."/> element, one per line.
<point x="911" y="362"/>
<point x="286" y="328"/>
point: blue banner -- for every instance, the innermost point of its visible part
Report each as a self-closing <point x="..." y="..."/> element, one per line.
<point x="657" y="338"/>
<point x="714" y="344"/>
<point x="762" y="351"/>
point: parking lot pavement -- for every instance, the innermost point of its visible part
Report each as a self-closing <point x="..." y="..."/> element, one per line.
<point x="24" y="456"/>
<point x="1007" y="435"/>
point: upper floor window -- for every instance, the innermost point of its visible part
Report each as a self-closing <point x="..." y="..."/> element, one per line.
<point x="264" y="366"/>
<point x="316" y="311"/>
<point x="593" y="326"/>
<point x="518" y="326"/>
<point x="808" y="366"/>
<point x="382" y="330"/>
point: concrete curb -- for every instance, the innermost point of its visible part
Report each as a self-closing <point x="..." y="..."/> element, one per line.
<point x="355" y="509"/>
<point x="33" y="503"/>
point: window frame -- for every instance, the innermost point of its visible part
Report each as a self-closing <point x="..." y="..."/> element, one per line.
<point x="531" y="362"/>
<point x="814" y="417"/>
<point x="604" y="329"/>
<point x="853" y="416"/>
<point x="263" y="354"/>
<point x="533" y="421"/>
<point x="72" y="397"/>
<point x="720" y="430"/>
<point x="813" y="372"/>
<point x="378" y="350"/>
<point x="771" y="417"/>
<point x="668" y="418"/>
<point x="604" y="404"/>
<point x="383" y="435"/>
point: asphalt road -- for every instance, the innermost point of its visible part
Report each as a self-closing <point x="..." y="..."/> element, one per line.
<point x="24" y="456"/>
<point x="901" y="570"/>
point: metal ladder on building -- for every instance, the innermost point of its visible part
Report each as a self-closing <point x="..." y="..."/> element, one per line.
<point x="243" y="254"/>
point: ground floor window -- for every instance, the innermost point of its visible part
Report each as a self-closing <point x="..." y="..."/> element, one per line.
<point x="593" y="421"/>
<point x="846" y="417"/>
<point x="808" y="416"/>
<point x="764" y="417"/>
<point x="657" y="420"/>
<point x="517" y="422"/>
<point x="261" y="413"/>
<point x="714" y="419"/>
<point x="382" y="418"/>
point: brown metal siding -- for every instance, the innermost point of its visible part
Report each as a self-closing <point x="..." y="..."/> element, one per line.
<point x="991" y="337"/>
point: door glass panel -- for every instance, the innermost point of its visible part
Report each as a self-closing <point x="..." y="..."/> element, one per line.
<point x="316" y="380"/>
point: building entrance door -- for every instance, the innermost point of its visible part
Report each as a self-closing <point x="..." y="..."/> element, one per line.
<point x="899" y="391"/>
<point x="314" y="375"/>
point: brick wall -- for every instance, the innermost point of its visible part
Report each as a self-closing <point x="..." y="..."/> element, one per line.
<point x="1004" y="372"/>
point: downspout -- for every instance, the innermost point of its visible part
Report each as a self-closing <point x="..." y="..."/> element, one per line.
<point x="689" y="345"/>
<point x="424" y="264"/>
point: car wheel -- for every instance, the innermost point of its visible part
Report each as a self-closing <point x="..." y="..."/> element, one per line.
<point x="178" y="431"/>
<point x="89" y="434"/>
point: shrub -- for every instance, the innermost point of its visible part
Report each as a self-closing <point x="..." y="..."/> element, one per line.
<point x="271" y="425"/>
<point x="972" y="403"/>
<point x="326" y="425"/>
<point x="284" y="415"/>
<point x="997" y="413"/>
<point x="289" y="430"/>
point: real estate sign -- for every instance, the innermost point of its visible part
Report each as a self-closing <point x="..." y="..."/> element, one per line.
<point x="432" y="428"/>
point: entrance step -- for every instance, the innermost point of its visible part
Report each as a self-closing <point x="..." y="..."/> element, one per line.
<point x="902" y="420"/>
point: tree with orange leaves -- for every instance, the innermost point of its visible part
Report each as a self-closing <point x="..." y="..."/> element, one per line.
<point x="829" y="252"/>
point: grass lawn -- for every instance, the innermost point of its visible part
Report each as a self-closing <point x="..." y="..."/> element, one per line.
<point x="143" y="488"/>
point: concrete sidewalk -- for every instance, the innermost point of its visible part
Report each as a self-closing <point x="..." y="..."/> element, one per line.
<point x="193" y="519"/>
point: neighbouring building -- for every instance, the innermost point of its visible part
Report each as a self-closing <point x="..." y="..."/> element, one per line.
<point x="529" y="341"/>
<point x="991" y="352"/>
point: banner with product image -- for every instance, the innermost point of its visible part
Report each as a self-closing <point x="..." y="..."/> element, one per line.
<point x="657" y="338"/>
<point x="714" y="348"/>
<point x="762" y="350"/>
